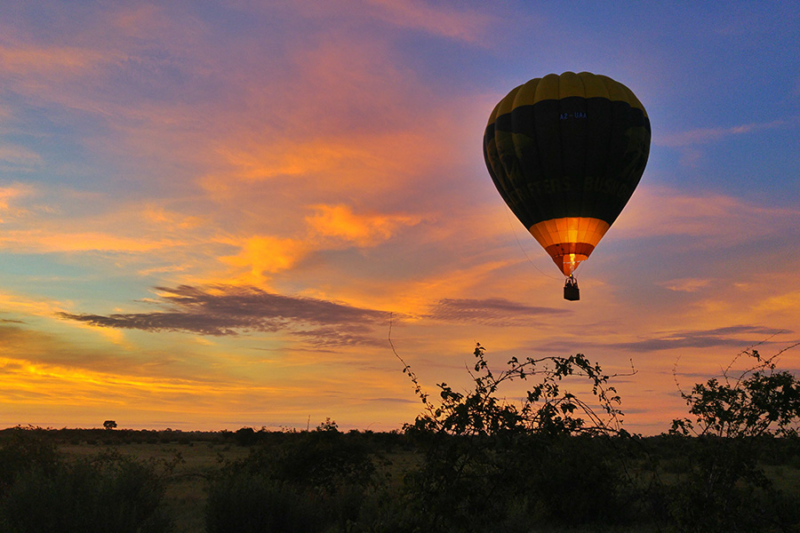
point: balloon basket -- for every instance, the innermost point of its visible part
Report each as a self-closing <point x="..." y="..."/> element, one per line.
<point x="571" y="291"/>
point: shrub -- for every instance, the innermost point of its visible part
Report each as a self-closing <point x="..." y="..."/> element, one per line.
<point x="22" y="449"/>
<point x="735" y="419"/>
<point x="246" y="436"/>
<point x="306" y="481"/>
<point x="491" y="464"/>
<point x="106" y="494"/>
<point x="242" y="501"/>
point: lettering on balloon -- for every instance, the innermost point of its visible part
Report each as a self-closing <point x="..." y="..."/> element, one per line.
<point x="551" y="186"/>
<point x="607" y="186"/>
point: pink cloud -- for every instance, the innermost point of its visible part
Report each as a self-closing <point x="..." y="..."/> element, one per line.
<point x="19" y="158"/>
<point x="686" y="284"/>
<point x="710" y="217"/>
<point x="458" y="23"/>
<point x="461" y="24"/>
<point x="32" y="60"/>
<point x="708" y="135"/>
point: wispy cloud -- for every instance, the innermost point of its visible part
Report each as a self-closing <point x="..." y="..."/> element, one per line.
<point x="226" y="310"/>
<point x="787" y="301"/>
<point x="686" y="284"/>
<point x="461" y="24"/>
<point x="739" y="337"/>
<point x="718" y="337"/>
<point x="36" y="241"/>
<point x="709" y="135"/>
<point x="39" y="59"/>
<point x="29" y="305"/>
<point x="9" y="196"/>
<point x="714" y="219"/>
<point x="18" y="159"/>
<point x="491" y="311"/>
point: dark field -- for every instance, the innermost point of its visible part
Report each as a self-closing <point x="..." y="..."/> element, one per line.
<point x="325" y="480"/>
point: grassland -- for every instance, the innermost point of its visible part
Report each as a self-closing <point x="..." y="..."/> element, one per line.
<point x="195" y="464"/>
<point x="189" y="462"/>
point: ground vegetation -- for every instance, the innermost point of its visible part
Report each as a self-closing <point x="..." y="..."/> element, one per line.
<point x="553" y="458"/>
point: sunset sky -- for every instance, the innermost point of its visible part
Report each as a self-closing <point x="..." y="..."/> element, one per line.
<point x="213" y="214"/>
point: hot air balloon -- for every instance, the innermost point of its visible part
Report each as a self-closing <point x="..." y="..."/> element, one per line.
<point x="566" y="152"/>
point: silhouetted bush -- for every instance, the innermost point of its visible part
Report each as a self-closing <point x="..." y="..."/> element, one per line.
<point x="246" y="436"/>
<point x="105" y="494"/>
<point x="309" y="481"/>
<point x="737" y="420"/>
<point x="250" y="502"/>
<point x="23" y="449"/>
<point x="496" y="465"/>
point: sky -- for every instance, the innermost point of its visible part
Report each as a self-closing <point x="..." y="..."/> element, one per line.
<point x="218" y="214"/>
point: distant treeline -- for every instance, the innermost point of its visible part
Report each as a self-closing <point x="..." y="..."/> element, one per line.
<point x="244" y="436"/>
<point x="667" y="446"/>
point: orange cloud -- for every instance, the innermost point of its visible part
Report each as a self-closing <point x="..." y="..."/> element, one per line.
<point x="414" y="298"/>
<point x="266" y="255"/>
<point x="329" y="228"/>
<point x="787" y="302"/>
<point x="295" y="158"/>
<point x="364" y="230"/>
<point x="346" y="159"/>
<point x="150" y="235"/>
<point x="38" y="241"/>
<point x="9" y="195"/>
<point x="170" y="219"/>
<point x="49" y="394"/>
<point x="29" y="305"/>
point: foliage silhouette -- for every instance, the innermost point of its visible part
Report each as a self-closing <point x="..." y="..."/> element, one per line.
<point x="108" y="493"/>
<point x="492" y="464"/>
<point x="759" y="401"/>
<point x="723" y="486"/>
<point x="311" y="481"/>
<point x="547" y="408"/>
<point x="23" y="449"/>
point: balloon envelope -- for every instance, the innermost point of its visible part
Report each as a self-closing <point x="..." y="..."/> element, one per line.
<point x="566" y="152"/>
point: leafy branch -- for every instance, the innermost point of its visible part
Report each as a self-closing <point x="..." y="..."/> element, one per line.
<point x="546" y="408"/>
<point x="758" y="401"/>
